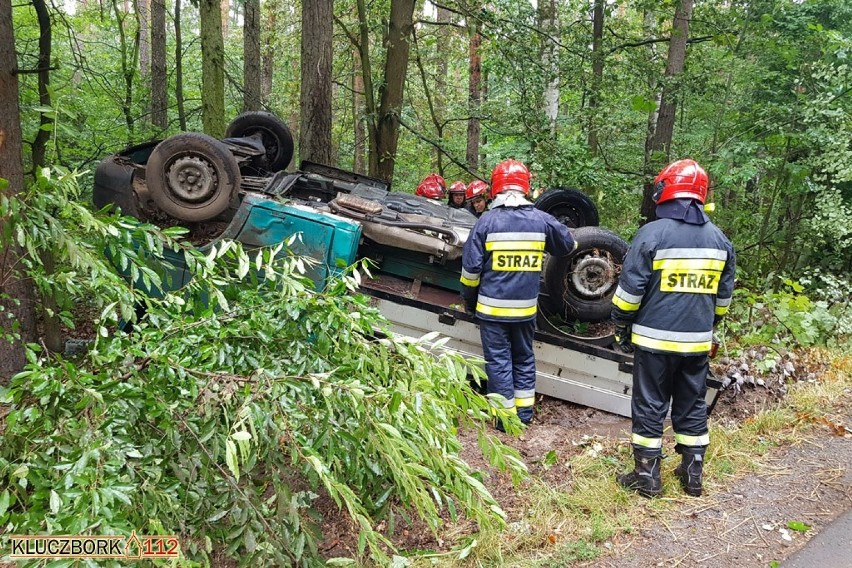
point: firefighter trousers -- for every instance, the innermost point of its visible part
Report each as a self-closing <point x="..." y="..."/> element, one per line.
<point x="510" y="363"/>
<point x="662" y="377"/>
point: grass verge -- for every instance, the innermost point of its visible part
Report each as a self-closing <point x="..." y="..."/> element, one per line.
<point x="576" y="519"/>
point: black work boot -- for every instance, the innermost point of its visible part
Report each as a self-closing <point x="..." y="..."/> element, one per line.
<point x="691" y="469"/>
<point x="645" y="477"/>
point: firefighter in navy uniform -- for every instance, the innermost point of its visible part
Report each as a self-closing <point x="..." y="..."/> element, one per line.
<point x="476" y="197"/>
<point x="501" y="269"/>
<point x="676" y="284"/>
<point x="455" y="200"/>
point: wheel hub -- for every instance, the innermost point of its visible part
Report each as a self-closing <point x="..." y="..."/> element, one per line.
<point x="593" y="276"/>
<point x="192" y="179"/>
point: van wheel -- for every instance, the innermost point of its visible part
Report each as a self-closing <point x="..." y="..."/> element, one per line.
<point x="581" y="286"/>
<point x="570" y="206"/>
<point x="192" y="177"/>
<point x="273" y="133"/>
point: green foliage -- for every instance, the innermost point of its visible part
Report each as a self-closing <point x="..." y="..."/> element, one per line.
<point x="242" y="409"/>
<point x="785" y="318"/>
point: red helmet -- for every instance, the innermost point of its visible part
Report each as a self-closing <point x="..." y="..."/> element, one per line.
<point x="683" y="178"/>
<point x="435" y="178"/>
<point x="430" y="190"/>
<point x="476" y="188"/>
<point x="509" y="175"/>
<point x="457" y="187"/>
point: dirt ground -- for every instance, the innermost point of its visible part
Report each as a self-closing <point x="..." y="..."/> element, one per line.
<point x="740" y="521"/>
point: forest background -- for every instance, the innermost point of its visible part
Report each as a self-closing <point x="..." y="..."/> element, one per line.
<point x="595" y="95"/>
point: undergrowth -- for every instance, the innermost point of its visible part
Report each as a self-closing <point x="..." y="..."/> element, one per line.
<point x="578" y="519"/>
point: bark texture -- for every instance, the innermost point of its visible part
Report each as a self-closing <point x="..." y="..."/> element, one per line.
<point x="661" y="140"/>
<point x="212" y="69"/>
<point x="391" y="91"/>
<point x="16" y="294"/>
<point x="251" y="57"/>
<point x="474" y="97"/>
<point x="159" y="76"/>
<point x="315" y="133"/>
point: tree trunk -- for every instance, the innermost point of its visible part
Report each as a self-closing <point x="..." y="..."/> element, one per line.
<point x="159" y="76"/>
<point x="225" y="6"/>
<point x="550" y="61"/>
<point x="52" y="330"/>
<point x="315" y="133"/>
<point x="392" y="89"/>
<point x="129" y="55"/>
<point x="251" y="57"/>
<point x="39" y="145"/>
<point x="16" y="293"/>
<point x="474" y="96"/>
<point x="212" y="69"/>
<point x="661" y="142"/>
<point x="142" y="15"/>
<point x="359" y="159"/>
<point x="440" y="104"/>
<point x="597" y="73"/>
<point x="179" y="69"/>
<point x="270" y="29"/>
<point x="367" y="76"/>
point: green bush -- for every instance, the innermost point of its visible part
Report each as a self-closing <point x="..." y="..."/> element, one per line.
<point x="233" y="409"/>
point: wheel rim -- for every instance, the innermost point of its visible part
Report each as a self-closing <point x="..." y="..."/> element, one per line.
<point x="593" y="276"/>
<point x="270" y="143"/>
<point x="568" y="216"/>
<point x="192" y="179"/>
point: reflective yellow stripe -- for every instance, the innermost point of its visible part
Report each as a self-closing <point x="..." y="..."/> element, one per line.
<point x="686" y="440"/>
<point x="624" y="305"/>
<point x="671" y="346"/>
<point x="523" y="402"/>
<point x="721" y="310"/>
<point x="505" y="312"/>
<point x="646" y="442"/>
<point x="469" y="282"/>
<point x="510" y="410"/>
<point x="689" y="264"/>
<point x="515" y="245"/>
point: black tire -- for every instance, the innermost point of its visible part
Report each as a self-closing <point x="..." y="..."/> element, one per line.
<point x="192" y="177"/>
<point x="275" y="135"/>
<point x="570" y="206"/>
<point x="581" y="286"/>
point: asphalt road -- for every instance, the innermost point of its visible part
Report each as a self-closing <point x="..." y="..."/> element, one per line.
<point x="830" y="548"/>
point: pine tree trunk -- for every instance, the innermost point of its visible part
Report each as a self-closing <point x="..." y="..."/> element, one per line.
<point x="359" y="159"/>
<point x="440" y="104"/>
<point x="143" y="10"/>
<point x="474" y="100"/>
<point x="597" y="73"/>
<point x="662" y="140"/>
<point x="251" y="57"/>
<point x="212" y="69"/>
<point x="179" y="68"/>
<point x="315" y="134"/>
<point x="268" y="63"/>
<point x="550" y="61"/>
<point x="39" y="145"/>
<point x="225" y="6"/>
<point x="392" y="89"/>
<point x="16" y="293"/>
<point x="159" y="76"/>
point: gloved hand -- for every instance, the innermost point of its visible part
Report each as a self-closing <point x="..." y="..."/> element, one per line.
<point x="622" y="338"/>
<point x="470" y="307"/>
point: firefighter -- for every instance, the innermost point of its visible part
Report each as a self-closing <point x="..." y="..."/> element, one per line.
<point x="501" y="268"/>
<point x="456" y="198"/>
<point x="433" y="186"/>
<point x="476" y="197"/>
<point x="676" y="284"/>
